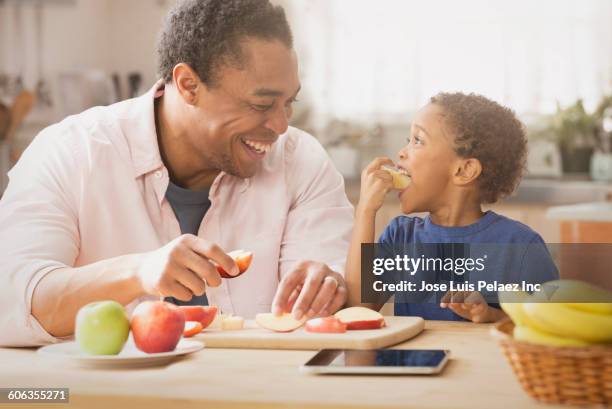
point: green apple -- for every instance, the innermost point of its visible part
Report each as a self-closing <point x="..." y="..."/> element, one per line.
<point x="102" y="328"/>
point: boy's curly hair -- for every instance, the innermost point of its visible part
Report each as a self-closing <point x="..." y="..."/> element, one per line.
<point x="491" y="133"/>
<point x="206" y="34"/>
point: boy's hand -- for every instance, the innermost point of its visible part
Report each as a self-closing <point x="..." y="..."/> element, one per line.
<point x="375" y="184"/>
<point x="471" y="305"/>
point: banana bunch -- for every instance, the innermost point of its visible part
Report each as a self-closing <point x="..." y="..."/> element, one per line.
<point x="563" y="313"/>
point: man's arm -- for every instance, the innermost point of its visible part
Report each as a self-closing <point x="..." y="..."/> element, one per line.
<point x="39" y="241"/>
<point x="180" y="269"/>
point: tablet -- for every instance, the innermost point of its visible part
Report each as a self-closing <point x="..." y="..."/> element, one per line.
<point x="377" y="362"/>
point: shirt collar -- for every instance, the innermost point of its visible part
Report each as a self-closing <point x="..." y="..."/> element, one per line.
<point x="137" y="123"/>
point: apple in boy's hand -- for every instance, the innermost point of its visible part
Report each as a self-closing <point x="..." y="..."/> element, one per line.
<point x="281" y="323"/>
<point x="102" y="328"/>
<point x="157" y="326"/>
<point x="325" y="325"/>
<point x="243" y="261"/>
<point x="205" y="315"/>
<point x="357" y="318"/>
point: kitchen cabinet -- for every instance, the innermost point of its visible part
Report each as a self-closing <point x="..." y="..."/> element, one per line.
<point x="583" y="223"/>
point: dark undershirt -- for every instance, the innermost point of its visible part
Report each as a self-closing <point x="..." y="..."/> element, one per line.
<point x="189" y="206"/>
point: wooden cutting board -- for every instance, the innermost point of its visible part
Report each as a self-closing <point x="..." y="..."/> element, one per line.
<point x="398" y="329"/>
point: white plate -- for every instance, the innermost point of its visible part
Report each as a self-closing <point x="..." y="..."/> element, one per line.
<point x="130" y="356"/>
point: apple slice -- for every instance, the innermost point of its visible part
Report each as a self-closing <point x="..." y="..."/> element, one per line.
<point x="358" y="318"/>
<point x="205" y="315"/>
<point x="325" y="325"/>
<point x="232" y="322"/>
<point x="192" y="328"/>
<point x="243" y="260"/>
<point x="216" y="324"/>
<point x="400" y="179"/>
<point x="281" y="323"/>
<point x="211" y="313"/>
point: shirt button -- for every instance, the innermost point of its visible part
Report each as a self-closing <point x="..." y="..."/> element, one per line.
<point x="158" y="174"/>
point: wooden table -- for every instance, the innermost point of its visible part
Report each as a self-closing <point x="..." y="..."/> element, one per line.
<point x="477" y="377"/>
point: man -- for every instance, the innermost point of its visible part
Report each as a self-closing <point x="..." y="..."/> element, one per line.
<point x="138" y="200"/>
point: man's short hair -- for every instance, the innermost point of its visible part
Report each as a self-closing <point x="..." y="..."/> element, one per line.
<point x="206" y="34"/>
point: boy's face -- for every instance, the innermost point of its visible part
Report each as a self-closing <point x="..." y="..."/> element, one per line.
<point x="429" y="159"/>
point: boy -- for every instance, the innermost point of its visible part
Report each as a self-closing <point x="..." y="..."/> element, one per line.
<point x="463" y="151"/>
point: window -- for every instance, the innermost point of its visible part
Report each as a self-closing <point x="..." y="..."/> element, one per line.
<point x="376" y="60"/>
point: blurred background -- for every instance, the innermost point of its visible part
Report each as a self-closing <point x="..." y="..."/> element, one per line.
<point x="366" y="67"/>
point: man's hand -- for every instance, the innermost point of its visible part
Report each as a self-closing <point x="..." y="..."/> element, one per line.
<point x="310" y="289"/>
<point x="471" y="305"/>
<point x="183" y="268"/>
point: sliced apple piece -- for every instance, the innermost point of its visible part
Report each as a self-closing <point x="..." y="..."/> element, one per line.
<point x="192" y="328"/>
<point x="325" y="325"/>
<point x="281" y="323"/>
<point x="358" y="318"/>
<point x="216" y="324"/>
<point x="233" y="322"/>
<point x="242" y="258"/>
<point x="211" y="313"/>
<point x="203" y="314"/>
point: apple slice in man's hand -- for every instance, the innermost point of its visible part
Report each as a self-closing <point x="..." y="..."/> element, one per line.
<point x="357" y="318"/>
<point x="279" y="323"/>
<point x="243" y="260"/>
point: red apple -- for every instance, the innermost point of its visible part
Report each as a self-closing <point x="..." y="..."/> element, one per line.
<point x="243" y="260"/>
<point x="205" y="315"/>
<point x="281" y="323"/>
<point x="357" y="318"/>
<point x="192" y="328"/>
<point x="325" y="325"/>
<point x="157" y="326"/>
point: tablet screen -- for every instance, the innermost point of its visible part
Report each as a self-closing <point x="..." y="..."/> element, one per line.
<point x="379" y="358"/>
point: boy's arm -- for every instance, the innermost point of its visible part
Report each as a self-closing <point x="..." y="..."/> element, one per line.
<point x="363" y="232"/>
<point x="375" y="183"/>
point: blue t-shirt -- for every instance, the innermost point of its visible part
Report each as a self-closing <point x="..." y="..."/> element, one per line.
<point x="513" y="253"/>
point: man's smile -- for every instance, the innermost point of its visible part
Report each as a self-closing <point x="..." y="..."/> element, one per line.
<point x="258" y="147"/>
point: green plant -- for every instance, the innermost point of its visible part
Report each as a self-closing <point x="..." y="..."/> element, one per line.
<point x="605" y="103"/>
<point x="574" y="128"/>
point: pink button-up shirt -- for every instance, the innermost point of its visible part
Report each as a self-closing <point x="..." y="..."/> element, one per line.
<point x="93" y="187"/>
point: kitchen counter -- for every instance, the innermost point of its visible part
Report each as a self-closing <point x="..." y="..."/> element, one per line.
<point x="476" y="377"/>
<point x="592" y="212"/>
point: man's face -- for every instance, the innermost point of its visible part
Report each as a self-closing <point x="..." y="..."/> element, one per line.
<point x="235" y="122"/>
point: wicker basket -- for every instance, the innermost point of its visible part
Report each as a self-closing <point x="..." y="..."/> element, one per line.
<point x="568" y="375"/>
